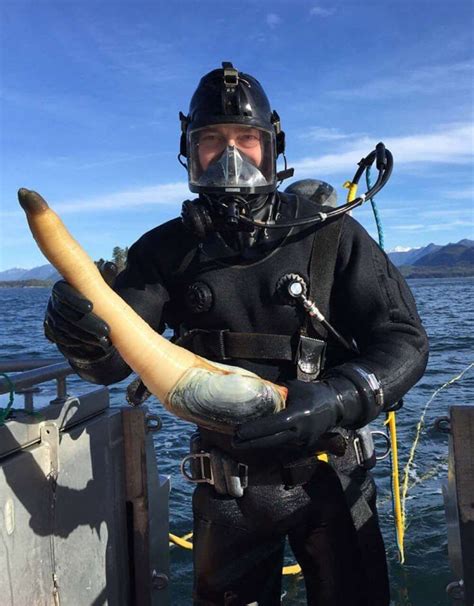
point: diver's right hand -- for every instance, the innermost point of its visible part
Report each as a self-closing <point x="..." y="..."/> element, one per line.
<point x="71" y="325"/>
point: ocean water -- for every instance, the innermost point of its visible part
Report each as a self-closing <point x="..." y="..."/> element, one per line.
<point x="445" y="306"/>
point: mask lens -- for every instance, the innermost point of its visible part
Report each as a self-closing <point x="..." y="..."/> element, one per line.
<point x="210" y="141"/>
<point x="249" y="140"/>
<point x="210" y="158"/>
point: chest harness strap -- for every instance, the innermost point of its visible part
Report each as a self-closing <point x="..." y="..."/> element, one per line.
<point x="224" y="345"/>
<point x="306" y="348"/>
<point x="322" y="267"/>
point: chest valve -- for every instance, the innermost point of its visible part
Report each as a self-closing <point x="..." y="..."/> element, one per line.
<point x="292" y="288"/>
<point x="198" y="297"/>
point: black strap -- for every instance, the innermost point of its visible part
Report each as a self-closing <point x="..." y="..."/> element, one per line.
<point x="321" y="272"/>
<point x="224" y="345"/>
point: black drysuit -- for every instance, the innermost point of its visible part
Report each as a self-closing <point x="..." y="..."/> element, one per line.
<point x="173" y="279"/>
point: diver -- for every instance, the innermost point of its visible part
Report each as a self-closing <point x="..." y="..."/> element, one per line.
<point x="234" y="277"/>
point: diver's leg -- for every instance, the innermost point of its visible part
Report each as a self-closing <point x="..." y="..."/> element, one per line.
<point x="372" y="546"/>
<point x="324" y="547"/>
<point x="233" y="565"/>
<point x="340" y="565"/>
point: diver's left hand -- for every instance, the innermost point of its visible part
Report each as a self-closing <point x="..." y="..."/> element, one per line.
<point x="312" y="409"/>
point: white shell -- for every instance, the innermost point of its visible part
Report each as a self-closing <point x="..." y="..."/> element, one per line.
<point x="222" y="401"/>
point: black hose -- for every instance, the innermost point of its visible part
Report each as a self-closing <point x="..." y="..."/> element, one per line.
<point x="384" y="163"/>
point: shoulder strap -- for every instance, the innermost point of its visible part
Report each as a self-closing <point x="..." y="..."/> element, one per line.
<point x="321" y="272"/>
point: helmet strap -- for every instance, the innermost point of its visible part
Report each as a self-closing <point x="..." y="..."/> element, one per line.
<point x="286" y="173"/>
<point x="181" y="161"/>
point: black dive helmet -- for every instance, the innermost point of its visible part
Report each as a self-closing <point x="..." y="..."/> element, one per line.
<point x="231" y="138"/>
<point x="227" y="172"/>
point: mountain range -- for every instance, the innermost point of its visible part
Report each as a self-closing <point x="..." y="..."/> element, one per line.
<point x="43" y="272"/>
<point x="414" y="256"/>
<point x="432" y="260"/>
<point x="435" y="261"/>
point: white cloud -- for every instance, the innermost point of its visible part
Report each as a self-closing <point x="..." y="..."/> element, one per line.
<point x="134" y="50"/>
<point x="319" y="11"/>
<point x="273" y="20"/>
<point x="409" y="227"/>
<point x="465" y="193"/>
<point x="425" y="80"/>
<point x="10" y="214"/>
<point x="402" y="249"/>
<point x="445" y="213"/>
<point x="110" y="160"/>
<point x="159" y="195"/>
<point x="366" y="212"/>
<point x="443" y="226"/>
<point x="15" y="240"/>
<point x="168" y="193"/>
<point x="451" y="144"/>
<point x="450" y="225"/>
<point x="321" y="133"/>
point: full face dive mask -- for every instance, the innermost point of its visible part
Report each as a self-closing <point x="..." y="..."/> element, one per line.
<point x="232" y="170"/>
<point x="229" y="158"/>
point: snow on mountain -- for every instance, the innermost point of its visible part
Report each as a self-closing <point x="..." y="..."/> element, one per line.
<point x="412" y="256"/>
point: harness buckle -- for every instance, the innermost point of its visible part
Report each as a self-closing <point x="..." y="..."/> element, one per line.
<point x="243" y="473"/>
<point x="200" y="470"/>
<point x="309" y="358"/>
<point x="364" y="447"/>
<point x="227" y="476"/>
<point x="388" y="445"/>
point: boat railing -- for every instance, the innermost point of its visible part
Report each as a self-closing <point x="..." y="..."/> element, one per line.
<point x="80" y="477"/>
<point x="29" y="373"/>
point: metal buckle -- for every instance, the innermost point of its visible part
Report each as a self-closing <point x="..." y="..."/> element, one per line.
<point x="358" y="452"/>
<point x="243" y="471"/>
<point x="310" y="356"/>
<point x="221" y="341"/>
<point x="388" y="445"/>
<point x="231" y="75"/>
<point x="205" y="470"/>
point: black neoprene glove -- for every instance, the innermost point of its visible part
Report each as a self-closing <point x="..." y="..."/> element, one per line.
<point x="71" y="325"/>
<point x="312" y="409"/>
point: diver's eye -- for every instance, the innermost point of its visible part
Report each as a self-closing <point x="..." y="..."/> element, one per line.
<point x="211" y="141"/>
<point x="247" y="141"/>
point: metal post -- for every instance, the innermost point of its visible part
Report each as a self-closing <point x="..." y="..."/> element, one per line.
<point x="459" y="502"/>
<point x="61" y="391"/>
<point x="27" y="393"/>
<point x="25" y="382"/>
<point x="134" y="431"/>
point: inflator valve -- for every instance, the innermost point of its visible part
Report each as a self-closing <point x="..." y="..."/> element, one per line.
<point x="292" y="288"/>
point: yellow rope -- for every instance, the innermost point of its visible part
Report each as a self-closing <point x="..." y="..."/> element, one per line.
<point x="186" y="544"/>
<point x="417" y="438"/>
<point x="397" y="506"/>
<point x="294" y="569"/>
<point x="431" y="473"/>
<point x="181" y="541"/>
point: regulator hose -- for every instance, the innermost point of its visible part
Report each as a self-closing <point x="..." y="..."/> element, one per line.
<point x="384" y="163"/>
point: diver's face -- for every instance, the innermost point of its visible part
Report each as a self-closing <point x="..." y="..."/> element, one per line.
<point x="214" y="139"/>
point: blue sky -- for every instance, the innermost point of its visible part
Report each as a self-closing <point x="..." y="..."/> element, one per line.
<point x="90" y="93"/>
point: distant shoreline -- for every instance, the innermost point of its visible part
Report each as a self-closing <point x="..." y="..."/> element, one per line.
<point x="27" y="284"/>
<point x="436" y="272"/>
<point x="421" y="274"/>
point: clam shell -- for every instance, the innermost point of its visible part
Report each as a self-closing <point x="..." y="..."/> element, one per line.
<point x="220" y="402"/>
